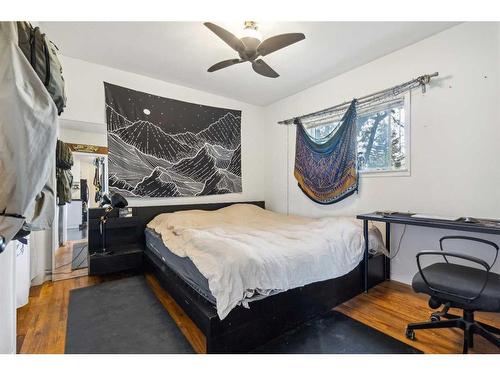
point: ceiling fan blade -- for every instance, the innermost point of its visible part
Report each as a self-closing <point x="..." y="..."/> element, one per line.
<point x="226" y="36"/>
<point x="277" y="42"/>
<point x="263" y="69"/>
<point x="223" y="64"/>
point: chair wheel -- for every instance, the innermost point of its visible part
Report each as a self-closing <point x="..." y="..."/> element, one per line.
<point x="435" y="318"/>
<point x="410" y="334"/>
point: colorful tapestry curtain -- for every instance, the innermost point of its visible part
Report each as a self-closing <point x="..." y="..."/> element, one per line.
<point x="326" y="172"/>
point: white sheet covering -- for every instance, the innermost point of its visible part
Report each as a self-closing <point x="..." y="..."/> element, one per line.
<point x="28" y="126"/>
<point x="244" y="250"/>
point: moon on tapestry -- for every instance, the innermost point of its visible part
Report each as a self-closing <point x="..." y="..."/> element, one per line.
<point x="161" y="147"/>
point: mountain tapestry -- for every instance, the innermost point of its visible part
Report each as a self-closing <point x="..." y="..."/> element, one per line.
<point x="161" y="147"/>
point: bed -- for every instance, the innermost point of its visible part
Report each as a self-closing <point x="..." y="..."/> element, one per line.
<point x="239" y="328"/>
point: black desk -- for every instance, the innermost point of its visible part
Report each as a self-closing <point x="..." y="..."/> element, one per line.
<point x="405" y="218"/>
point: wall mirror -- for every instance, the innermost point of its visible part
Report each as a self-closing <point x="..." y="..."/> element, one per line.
<point x="71" y="255"/>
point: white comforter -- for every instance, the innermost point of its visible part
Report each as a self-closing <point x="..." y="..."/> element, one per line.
<point x="244" y="250"/>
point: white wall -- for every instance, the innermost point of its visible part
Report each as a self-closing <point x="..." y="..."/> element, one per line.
<point x="455" y="135"/>
<point x="96" y="136"/>
<point x="8" y="300"/>
<point x="85" y="108"/>
<point x="41" y="255"/>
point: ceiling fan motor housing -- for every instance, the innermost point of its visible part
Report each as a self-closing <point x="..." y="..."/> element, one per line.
<point x="250" y="52"/>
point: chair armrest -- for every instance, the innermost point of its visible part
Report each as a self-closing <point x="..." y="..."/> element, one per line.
<point x="473" y="239"/>
<point x="444" y="254"/>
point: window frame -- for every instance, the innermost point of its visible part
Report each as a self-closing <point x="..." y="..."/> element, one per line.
<point x="407" y="170"/>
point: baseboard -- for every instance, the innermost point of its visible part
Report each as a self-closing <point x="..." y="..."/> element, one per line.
<point x="40" y="279"/>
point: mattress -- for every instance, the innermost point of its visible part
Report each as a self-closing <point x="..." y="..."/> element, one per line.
<point x="182" y="266"/>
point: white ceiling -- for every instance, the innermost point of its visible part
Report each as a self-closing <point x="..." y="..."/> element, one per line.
<point x="181" y="52"/>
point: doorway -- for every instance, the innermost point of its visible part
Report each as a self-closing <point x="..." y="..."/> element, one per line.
<point x="72" y="256"/>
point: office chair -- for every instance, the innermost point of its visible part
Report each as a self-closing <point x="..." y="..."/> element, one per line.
<point x="455" y="285"/>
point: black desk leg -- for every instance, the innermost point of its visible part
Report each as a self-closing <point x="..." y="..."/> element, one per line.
<point x="387" y="260"/>
<point x="365" y="261"/>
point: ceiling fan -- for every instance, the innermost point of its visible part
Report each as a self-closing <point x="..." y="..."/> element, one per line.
<point x="250" y="47"/>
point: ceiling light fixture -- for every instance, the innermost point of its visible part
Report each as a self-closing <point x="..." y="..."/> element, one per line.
<point x="251" y="31"/>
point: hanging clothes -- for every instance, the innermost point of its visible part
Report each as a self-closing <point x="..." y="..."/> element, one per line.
<point x="28" y="126"/>
<point x="326" y="171"/>
<point x="99" y="178"/>
<point x="64" y="162"/>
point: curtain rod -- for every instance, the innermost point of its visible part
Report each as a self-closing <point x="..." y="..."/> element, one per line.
<point x="407" y="86"/>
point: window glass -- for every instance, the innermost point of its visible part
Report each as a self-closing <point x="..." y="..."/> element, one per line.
<point x="381" y="141"/>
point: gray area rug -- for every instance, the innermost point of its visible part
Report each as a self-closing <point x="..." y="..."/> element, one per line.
<point x="122" y="316"/>
<point x="80" y="256"/>
<point x="335" y="333"/>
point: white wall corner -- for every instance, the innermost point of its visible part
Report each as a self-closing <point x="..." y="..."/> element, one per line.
<point x="8" y="300"/>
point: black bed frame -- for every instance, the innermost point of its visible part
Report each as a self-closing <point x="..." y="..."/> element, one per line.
<point x="245" y="329"/>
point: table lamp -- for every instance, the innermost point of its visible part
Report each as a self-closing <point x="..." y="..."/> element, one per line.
<point x="116" y="201"/>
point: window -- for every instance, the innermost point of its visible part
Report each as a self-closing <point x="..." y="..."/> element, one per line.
<point x="383" y="136"/>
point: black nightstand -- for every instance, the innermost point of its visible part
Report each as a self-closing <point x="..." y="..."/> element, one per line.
<point x="123" y="238"/>
<point x="123" y="258"/>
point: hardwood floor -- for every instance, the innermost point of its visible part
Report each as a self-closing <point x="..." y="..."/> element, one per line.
<point x="388" y="308"/>
<point x="62" y="261"/>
